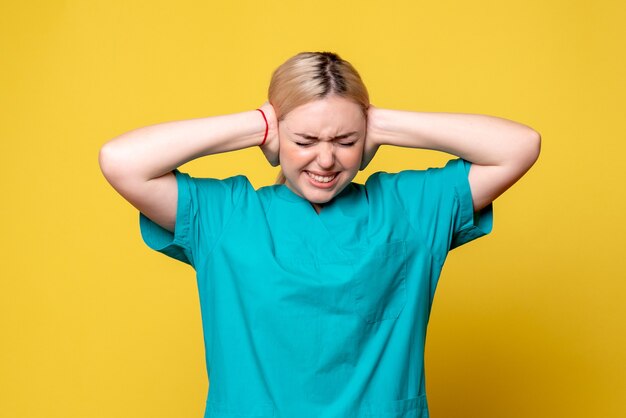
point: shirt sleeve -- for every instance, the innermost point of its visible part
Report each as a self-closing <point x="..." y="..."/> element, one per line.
<point x="204" y="206"/>
<point x="438" y="204"/>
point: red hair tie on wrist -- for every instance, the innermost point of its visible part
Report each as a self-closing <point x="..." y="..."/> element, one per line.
<point x="266" y="127"/>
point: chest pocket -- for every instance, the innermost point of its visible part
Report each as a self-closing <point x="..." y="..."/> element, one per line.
<point x="379" y="286"/>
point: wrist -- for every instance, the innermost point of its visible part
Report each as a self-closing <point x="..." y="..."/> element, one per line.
<point x="249" y="131"/>
<point x="266" y="127"/>
<point x="401" y="128"/>
<point x="379" y="126"/>
<point x="270" y="123"/>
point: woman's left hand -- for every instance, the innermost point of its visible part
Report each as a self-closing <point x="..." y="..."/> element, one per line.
<point x="371" y="142"/>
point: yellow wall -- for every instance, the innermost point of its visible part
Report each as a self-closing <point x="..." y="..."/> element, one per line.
<point x="528" y="322"/>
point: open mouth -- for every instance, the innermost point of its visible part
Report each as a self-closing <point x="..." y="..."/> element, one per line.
<point x="321" y="179"/>
<point x="323" y="182"/>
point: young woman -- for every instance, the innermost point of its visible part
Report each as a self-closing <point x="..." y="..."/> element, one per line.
<point x="316" y="291"/>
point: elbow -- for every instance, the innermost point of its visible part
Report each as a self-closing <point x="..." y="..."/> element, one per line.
<point x="110" y="162"/>
<point x="534" y="147"/>
<point x="524" y="150"/>
<point x="529" y="147"/>
<point x="105" y="159"/>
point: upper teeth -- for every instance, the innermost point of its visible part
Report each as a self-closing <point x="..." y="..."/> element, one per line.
<point x="321" y="178"/>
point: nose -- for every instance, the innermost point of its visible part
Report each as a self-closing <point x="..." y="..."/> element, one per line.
<point x="326" y="155"/>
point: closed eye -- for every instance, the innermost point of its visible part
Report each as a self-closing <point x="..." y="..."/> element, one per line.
<point x="343" y="144"/>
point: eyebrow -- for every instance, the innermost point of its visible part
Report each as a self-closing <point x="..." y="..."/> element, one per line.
<point x="342" y="136"/>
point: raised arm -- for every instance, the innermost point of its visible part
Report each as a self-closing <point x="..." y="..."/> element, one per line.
<point x="500" y="150"/>
<point x="139" y="163"/>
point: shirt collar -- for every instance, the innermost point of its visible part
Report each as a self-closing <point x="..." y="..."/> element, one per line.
<point x="286" y="193"/>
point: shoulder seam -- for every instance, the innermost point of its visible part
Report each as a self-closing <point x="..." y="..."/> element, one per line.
<point x="240" y="178"/>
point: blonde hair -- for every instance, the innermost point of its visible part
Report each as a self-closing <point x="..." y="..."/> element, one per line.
<point x="310" y="76"/>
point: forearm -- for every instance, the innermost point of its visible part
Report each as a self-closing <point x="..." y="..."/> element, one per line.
<point x="151" y="151"/>
<point x="480" y="139"/>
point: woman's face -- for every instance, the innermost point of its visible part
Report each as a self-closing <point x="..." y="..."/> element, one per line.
<point x="321" y="146"/>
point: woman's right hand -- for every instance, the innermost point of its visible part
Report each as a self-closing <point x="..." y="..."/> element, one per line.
<point x="271" y="146"/>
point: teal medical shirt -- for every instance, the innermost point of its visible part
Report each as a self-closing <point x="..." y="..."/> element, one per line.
<point x="320" y="316"/>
